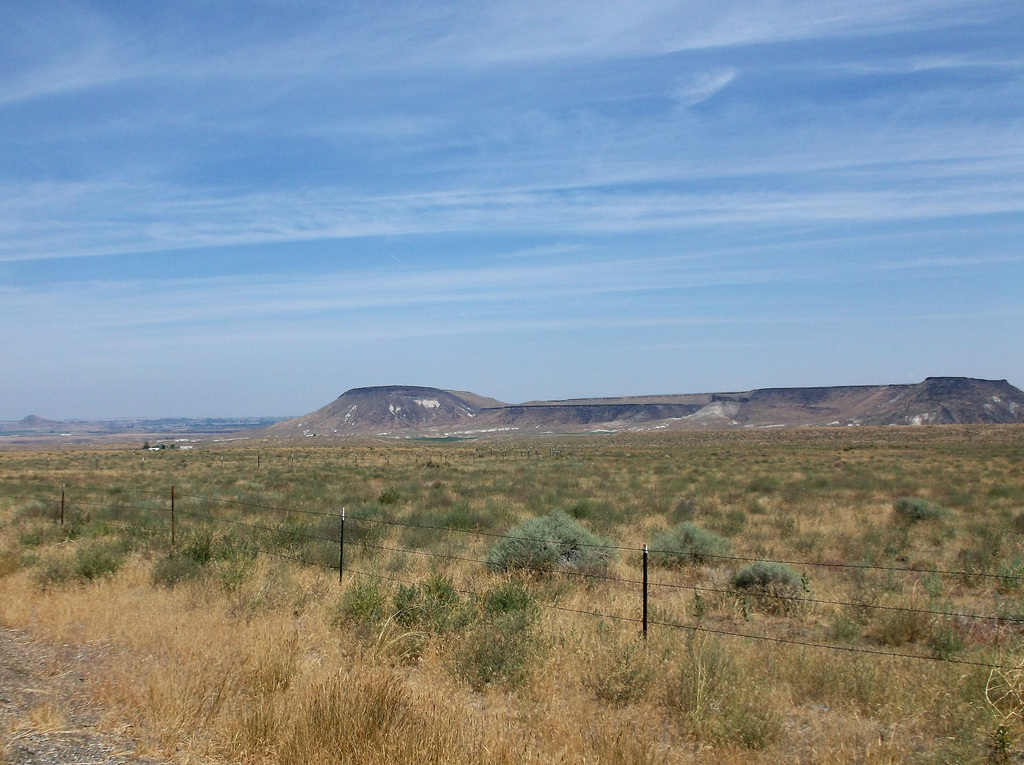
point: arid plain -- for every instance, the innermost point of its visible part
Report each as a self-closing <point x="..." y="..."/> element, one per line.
<point x="814" y="595"/>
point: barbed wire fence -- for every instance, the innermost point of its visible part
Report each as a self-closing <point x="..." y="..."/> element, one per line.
<point x="286" y="532"/>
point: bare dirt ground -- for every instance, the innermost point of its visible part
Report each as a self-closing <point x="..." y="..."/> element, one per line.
<point x="46" y="714"/>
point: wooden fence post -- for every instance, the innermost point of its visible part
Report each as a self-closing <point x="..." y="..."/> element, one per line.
<point x="341" y="547"/>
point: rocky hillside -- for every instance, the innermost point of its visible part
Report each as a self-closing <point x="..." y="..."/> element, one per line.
<point x="404" y="410"/>
<point x="390" y="410"/>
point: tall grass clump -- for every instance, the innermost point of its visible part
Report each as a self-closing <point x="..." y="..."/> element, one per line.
<point x="202" y="547"/>
<point x="687" y="543"/>
<point x="9" y="563"/>
<point x="622" y="672"/>
<point x="98" y="559"/>
<point x="713" y="701"/>
<point x="917" y="509"/>
<point x="548" y="543"/>
<point x="434" y="605"/>
<point x="93" y="560"/>
<point x="365" y="601"/>
<point x="174" y="569"/>
<point x="503" y="646"/>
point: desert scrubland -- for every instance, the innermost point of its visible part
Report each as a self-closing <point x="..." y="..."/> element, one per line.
<point x="818" y="595"/>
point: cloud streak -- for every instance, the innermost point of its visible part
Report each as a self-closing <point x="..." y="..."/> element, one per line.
<point x="701" y="86"/>
<point x="65" y="222"/>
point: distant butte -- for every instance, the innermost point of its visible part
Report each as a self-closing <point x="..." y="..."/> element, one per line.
<point x="414" y="411"/>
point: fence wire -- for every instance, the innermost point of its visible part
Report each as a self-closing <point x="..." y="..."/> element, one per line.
<point x="292" y="531"/>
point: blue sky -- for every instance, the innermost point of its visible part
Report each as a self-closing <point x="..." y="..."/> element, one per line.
<point x="246" y="207"/>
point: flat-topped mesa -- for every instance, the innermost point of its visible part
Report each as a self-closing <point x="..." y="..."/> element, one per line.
<point x="411" y="410"/>
<point x="399" y="390"/>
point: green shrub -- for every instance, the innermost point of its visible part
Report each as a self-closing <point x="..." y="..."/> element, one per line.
<point x="230" y="548"/>
<point x="684" y="508"/>
<point x="363" y="601"/>
<point x="498" y="652"/>
<point x="501" y="649"/>
<point x="917" y="509"/>
<point x="55" y="569"/>
<point x="508" y="598"/>
<point x="434" y="605"/>
<point x="232" y="573"/>
<point x="895" y="628"/>
<point x="547" y="543"/>
<point x="362" y="526"/>
<point x="199" y="545"/>
<point x="982" y="550"/>
<point x="462" y="516"/>
<point x="98" y="559"/>
<point x="581" y="510"/>
<point x="175" y="568"/>
<point x="731" y="522"/>
<point x="76" y="525"/>
<point x="762" y="575"/>
<point x="32" y="538"/>
<point x="773" y="585"/>
<point x="407" y="605"/>
<point x="687" y="543"/>
<point x="946" y="640"/>
<point x="843" y="629"/>
<point x="1018" y="523"/>
<point x="37" y="509"/>
<point x="763" y="484"/>
<point x="290" y="534"/>
<point x="389" y="496"/>
<point x="1011" y="572"/>
<point x="622" y="674"/>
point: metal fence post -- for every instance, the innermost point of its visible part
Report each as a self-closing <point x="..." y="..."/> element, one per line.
<point x="341" y="547"/>
<point x="174" y="538"/>
<point x="645" y="591"/>
<point x="62" y="487"/>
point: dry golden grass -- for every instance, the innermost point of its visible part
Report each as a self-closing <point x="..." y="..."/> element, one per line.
<point x="47" y="716"/>
<point x="264" y="660"/>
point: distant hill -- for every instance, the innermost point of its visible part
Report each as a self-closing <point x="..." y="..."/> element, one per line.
<point x="406" y="410"/>
<point x="34" y="424"/>
<point x="33" y="427"/>
<point x="389" y="409"/>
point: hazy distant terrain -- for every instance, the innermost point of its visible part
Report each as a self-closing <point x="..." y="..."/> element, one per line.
<point x="34" y="429"/>
<point x="422" y="412"/>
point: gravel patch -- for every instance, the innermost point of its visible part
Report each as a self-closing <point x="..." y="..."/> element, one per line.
<point x="46" y="715"/>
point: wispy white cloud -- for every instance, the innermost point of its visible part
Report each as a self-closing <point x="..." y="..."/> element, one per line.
<point x="46" y="222"/>
<point x="108" y="304"/>
<point x="48" y="49"/>
<point x="74" y="48"/>
<point x="702" y="85"/>
<point x="561" y="290"/>
<point x="489" y="33"/>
